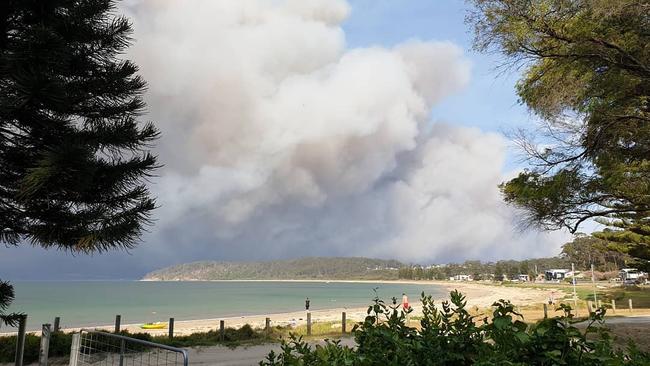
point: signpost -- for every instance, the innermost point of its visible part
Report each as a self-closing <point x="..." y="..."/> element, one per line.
<point x="593" y="282"/>
<point x="573" y="279"/>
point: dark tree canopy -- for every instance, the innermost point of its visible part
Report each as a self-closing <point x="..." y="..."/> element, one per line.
<point x="74" y="158"/>
<point x="587" y="76"/>
<point x="6" y="297"/>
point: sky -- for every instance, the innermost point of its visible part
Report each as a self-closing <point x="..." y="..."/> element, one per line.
<point x="317" y="128"/>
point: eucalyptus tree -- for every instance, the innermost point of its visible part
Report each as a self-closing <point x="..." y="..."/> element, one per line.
<point x="586" y="75"/>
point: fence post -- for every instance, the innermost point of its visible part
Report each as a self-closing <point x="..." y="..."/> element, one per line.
<point x="171" y="328"/>
<point x="613" y="306"/>
<point x="545" y="311"/>
<point x="590" y="305"/>
<point x="122" y="350"/>
<point x="308" y="323"/>
<point x="630" y="303"/>
<point x="118" y="320"/>
<point x="20" y="340"/>
<point x="57" y="322"/>
<point x="74" y="349"/>
<point x="45" y="345"/>
<point x="267" y="326"/>
<point x="222" y="329"/>
<point x="343" y="322"/>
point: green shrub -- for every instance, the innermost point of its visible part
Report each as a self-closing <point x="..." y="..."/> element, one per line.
<point x="213" y="337"/>
<point x="59" y="346"/>
<point x="449" y="335"/>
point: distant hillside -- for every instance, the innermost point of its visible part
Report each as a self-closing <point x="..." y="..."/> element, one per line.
<point x="331" y="268"/>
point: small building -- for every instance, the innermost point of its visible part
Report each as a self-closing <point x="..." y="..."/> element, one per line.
<point x="523" y="278"/>
<point x="461" y="277"/>
<point x="555" y="274"/>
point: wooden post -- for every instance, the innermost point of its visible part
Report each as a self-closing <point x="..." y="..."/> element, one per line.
<point x="545" y="311"/>
<point x="590" y="305"/>
<point x="613" y="306"/>
<point x="222" y="330"/>
<point x="74" y="349"/>
<point x="308" y="323"/>
<point x="600" y="303"/>
<point x="267" y="326"/>
<point x="171" y="328"/>
<point x="122" y="351"/>
<point x="57" y="322"/>
<point x="20" y="340"/>
<point x="343" y="322"/>
<point x="45" y="345"/>
<point x="630" y="302"/>
<point x="118" y="320"/>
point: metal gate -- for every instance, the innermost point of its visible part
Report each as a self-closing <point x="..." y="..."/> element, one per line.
<point x="96" y="348"/>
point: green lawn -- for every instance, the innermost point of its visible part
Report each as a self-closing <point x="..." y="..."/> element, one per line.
<point x="640" y="295"/>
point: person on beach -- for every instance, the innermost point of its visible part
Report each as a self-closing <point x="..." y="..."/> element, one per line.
<point x="307" y="304"/>
<point x="405" y="302"/>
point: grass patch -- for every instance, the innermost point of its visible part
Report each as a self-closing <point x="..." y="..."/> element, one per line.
<point x="318" y="329"/>
<point x="640" y="295"/>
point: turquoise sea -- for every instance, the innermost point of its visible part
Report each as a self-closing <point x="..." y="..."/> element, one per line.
<point x="91" y="303"/>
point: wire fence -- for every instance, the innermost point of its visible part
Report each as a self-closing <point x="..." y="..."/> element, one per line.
<point x="96" y="348"/>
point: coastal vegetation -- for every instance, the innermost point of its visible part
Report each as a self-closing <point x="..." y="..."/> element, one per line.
<point x="449" y="335"/>
<point x="582" y="251"/>
<point x="334" y="268"/>
<point x="586" y="75"/>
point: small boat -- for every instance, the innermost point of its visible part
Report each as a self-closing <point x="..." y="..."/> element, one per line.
<point x="157" y="325"/>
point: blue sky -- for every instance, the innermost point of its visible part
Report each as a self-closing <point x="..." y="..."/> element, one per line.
<point x="488" y="103"/>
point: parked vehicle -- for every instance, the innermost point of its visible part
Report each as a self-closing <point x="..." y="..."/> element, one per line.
<point x="631" y="276"/>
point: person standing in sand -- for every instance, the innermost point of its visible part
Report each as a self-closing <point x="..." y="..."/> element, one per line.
<point x="405" y="302"/>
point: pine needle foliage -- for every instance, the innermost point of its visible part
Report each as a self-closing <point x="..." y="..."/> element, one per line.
<point x="6" y="297"/>
<point x="74" y="158"/>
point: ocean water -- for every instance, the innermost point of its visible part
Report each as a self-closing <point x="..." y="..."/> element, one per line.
<point x="92" y="303"/>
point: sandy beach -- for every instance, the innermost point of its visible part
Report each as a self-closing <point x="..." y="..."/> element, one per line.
<point x="478" y="294"/>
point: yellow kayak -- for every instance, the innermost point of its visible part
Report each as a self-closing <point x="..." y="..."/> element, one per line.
<point x="157" y="325"/>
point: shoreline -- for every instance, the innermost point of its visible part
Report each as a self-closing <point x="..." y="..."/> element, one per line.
<point x="477" y="294"/>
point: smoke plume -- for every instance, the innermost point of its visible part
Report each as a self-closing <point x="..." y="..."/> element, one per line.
<point x="280" y="141"/>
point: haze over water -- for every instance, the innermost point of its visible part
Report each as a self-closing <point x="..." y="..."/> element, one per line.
<point x="92" y="303"/>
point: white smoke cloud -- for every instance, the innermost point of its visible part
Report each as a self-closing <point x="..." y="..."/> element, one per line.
<point x="279" y="141"/>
